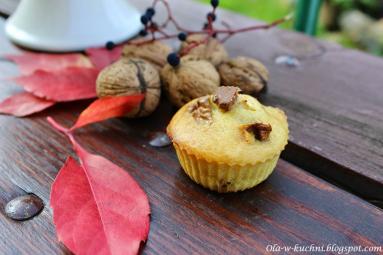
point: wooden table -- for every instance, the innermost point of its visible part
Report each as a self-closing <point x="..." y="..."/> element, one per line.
<point x="327" y="189"/>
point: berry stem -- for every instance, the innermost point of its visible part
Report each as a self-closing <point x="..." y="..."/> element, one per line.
<point x="210" y="30"/>
<point x="192" y="45"/>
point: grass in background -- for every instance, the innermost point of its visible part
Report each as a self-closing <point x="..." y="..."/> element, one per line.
<point x="270" y="10"/>
<point x="266" y="10"/>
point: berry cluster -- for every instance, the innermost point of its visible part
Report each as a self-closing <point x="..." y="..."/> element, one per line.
<point x="174" y="58"/>
<point x="157" y="31"/>
<point x="146" y="20"/>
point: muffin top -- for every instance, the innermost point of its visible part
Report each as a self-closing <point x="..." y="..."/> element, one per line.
<point x="230" y="128"/>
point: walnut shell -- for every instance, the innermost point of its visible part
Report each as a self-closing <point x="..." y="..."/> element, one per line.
<point x="155" y="53"/>
<point x="193" y="78"/>
<point x="248" y="74"/>
<point x="212" y="51"/>
<point x="129" y="76"/>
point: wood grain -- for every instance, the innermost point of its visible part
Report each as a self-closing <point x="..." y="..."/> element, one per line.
<point x="291" y="207"/>
<point x="334" y="99"/>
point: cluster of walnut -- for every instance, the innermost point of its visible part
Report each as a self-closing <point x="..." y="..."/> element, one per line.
<point x="143" y="68"/>
<point x="137" y="71"/>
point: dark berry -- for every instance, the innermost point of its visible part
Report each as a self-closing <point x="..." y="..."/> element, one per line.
<point x="143" y="32"/>
<point x="211" y="16"/>
<point x="173" y="59"/>
<point x="205" y="26"/>
<point x="150" y="12"/>
<point x="214" y="35"/>
<point x="182" y="36"/>
<point x="214" y="3"/>
<point x="110" y="45"/>
<point x="144" y="19"/>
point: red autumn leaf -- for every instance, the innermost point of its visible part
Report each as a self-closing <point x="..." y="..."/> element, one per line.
<point x="72" y="83"/>
<point x="101" y="57"/>
<point x="24" y="104"/>
<point x="106" y="108"/>
<point x="98" y="208"/>
<point x="29" y="62"/>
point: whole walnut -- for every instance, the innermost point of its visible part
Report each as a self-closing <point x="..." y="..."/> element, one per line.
<point x="129" y="76"/>
<point x="155" y="53"/>
<point x="192" y="78"/>
<point x="248" y="74"/>
<point x="213" y="50"/>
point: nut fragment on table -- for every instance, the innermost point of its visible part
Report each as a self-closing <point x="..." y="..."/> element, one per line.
<point x="24" y="207"/>
<point x="159" y="139"/>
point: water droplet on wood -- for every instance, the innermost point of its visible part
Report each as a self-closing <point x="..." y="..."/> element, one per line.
<point x="24" y="207"/>
<point x="288" y="61"/>
<point x="160" y="139"/>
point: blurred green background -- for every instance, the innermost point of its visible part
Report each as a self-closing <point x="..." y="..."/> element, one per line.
<point x="351" y="23"/>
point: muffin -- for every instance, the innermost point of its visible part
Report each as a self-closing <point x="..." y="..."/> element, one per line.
<point x="228" y="142"/>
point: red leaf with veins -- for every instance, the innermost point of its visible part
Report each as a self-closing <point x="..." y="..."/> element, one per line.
<point x="72" y="83"/>
<point x="101" y="57"/>
<point x="106" y="108"/>
<point x="24" y="104"/>
<point x="98" y="208"/>
<point x="29" y="62"/>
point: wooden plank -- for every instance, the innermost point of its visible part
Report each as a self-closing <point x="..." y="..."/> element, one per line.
<point x="334" y="99"/>
<point x="291" y="207"/>
<point x="29" y="237"/>
<point x="335" y="109"/>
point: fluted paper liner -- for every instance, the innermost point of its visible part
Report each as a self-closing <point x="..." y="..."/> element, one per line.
<point x="223" y="177"/>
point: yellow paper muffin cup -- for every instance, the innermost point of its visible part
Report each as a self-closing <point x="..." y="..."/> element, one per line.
<point x="222" y="177"/>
